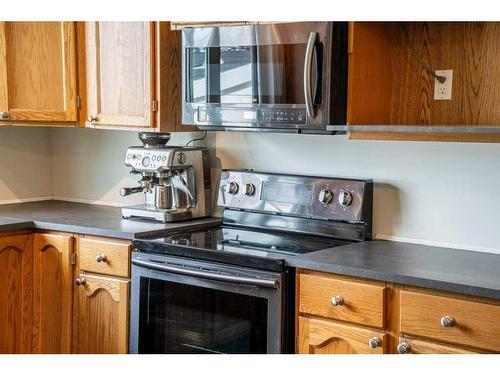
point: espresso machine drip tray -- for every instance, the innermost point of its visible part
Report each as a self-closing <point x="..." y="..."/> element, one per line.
<point x="141" y="211"/>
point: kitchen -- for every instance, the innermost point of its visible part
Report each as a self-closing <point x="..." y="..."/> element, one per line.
<point x="249" y="187"/>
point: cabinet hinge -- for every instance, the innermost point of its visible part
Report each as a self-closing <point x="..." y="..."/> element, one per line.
<point x="73" y="258"/>
<point x="78" y="102"/>
<point x="155" y="105"/>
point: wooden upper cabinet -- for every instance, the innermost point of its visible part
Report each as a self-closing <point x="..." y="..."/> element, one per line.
<point x="120" y="73"/>
<point x="38" y="82"/>
<point x="101" y="315"/>
<point x="16" y="287"/>
<point x="52" y="293"/>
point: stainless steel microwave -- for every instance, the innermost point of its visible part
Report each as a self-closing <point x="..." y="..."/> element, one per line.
<point x="289" y="77"/>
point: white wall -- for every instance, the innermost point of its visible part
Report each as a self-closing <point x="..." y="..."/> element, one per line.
<point x="435" y="193"/>
<point x="25" y="164"/>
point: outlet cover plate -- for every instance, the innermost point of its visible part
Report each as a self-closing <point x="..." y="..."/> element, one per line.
<point x="442" y="91"/>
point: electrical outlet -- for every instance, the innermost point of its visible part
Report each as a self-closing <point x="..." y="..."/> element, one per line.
<point x="442" y="91"/>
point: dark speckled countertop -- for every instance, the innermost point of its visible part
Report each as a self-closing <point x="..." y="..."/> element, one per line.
<point x="84" y="218"/>
<point x="438" y="268"/>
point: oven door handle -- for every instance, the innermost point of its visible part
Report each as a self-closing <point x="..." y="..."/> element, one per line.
<point x="235" y="279"/>
<point x="311" y="44"/>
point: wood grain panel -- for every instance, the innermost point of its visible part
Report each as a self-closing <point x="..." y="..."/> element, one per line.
<point x="16" y="285"/>
<point x="427" y="347"/>
<point x="53" y="288"/>
<point x="363" y="301"/>
<point x="39" y="75"/>
<point x="117" y="254"/>
<point x="326" y="337"/>
<point x="387" y="85"/>
<point x="101" y="316"/>
<point x="476" y="323"/>
<point x="120" y="73"/>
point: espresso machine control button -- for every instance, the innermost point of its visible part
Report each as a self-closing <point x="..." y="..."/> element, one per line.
<point x="181" y="157"/>
<point x="233" y="188"/>
<point x="249" y="189"/>
<point x="345" y="198"/>
<point x="146" y="161"/>
<point x="325" y="196"/>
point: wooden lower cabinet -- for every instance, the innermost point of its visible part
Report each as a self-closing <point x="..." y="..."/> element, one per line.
<point x="16" y="286"/>
<point x="411" y="346"/>
<point x="101" y="315"/>
<point x="52" y="293"/>
<point x="318" y="336"/>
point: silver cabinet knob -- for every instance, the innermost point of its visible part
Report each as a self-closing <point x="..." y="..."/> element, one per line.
<point x="101" y="258"/>
<point x="447" y="321"/>
<point x="325" y="196"/>
<point x="4" y="115"/>
<point x="404" y="348"/>
<point x="80" y="281"/>
<point x="375" y="342"/>
<point x="337" y="301"/>
<point x="92" y="118"/>
<point x="345" y="198"/>
<point x="233" y="188"/>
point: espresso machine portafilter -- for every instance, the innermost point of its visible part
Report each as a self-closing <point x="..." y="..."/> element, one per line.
<point x="175" y="180"/>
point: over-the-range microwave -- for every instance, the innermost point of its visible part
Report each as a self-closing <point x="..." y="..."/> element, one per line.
<point x="281" y="77"/>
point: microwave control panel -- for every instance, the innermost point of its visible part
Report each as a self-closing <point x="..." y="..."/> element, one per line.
<point x="216" y="115"/>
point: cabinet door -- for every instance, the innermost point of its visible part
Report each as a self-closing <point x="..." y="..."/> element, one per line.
<point x="16" y="285"/>
<point x="410" y="346"/>
<point x="52" y="292"/>
<point x="120" y="84"/>
<point x="38" y="72"/>
<point x="101" y="315"/>
<point x="326" y="337"/>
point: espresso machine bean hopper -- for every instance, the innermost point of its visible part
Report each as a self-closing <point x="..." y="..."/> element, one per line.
<point x="175" y="180"/>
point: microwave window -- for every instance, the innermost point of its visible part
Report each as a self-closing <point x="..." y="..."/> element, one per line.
<point x="264" y="74"/>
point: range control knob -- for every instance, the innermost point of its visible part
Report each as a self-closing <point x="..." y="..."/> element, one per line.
<point x="233" y="188"/>
<point x="345" y="198"/>
<point x="249" y="189"/>
<point x="325" y="196"/>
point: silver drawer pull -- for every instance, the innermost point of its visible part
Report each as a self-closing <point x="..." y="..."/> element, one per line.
<point x="447" y="321"/>
<point x="337" y="301"/>
<point x="4" y="115"/>
<point x="101" y="258"/>
<point x="80" y="281"/>
<point x="375" y="342"/>
<point x="404" y="348"/>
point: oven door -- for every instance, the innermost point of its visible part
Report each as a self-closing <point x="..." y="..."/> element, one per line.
<point x="258" y="77"/>
<point x="186" y="306"/>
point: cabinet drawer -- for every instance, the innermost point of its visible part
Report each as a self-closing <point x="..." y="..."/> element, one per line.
<point x="473" y="323"/>
<point x="114" y="257"/>
<point x="318" y="336"/>
<point x="410" y="346"/>
<point x="356" y="302"/>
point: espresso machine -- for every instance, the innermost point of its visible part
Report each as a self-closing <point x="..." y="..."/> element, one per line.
<point x="175" y="181"/>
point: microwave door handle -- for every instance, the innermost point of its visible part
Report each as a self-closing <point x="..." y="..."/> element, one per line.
<point x="235" y="279"/>
<point x="311" y="43"/>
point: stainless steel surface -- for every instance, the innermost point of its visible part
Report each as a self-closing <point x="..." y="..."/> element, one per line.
<point x="421" y="129"/>
<point x="447" y="321"/>
<point x="337" y="301"/>
<point x="311" y="42"/>
<point x="289" y="115"/>
<point x="236" y="279"/>
<point x="175" y="180"/>
<point x="325" y="196"/>
<point x="101" y="258"/>
<point x="92" y="118"/>
<point x="80" y="281"/>
<point x="404" y="348"/>
<point x="291" y="195"/>
<point x="375" y="342"/>
<point x="4" y="115"/>
<point x="345" y="198"/>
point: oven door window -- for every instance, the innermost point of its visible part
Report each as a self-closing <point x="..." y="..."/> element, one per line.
<point x="179" y="318"/>
<point x="259" y="74"/>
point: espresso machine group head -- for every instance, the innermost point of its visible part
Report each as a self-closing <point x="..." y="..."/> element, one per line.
<point x="175" y="180"/>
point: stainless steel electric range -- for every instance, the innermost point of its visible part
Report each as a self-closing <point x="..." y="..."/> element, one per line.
<point x="227" y="289"/>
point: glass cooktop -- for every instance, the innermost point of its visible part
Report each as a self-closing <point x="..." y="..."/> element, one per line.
<point x="235" y="245"/>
